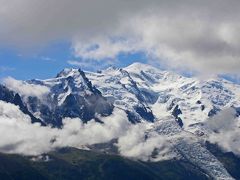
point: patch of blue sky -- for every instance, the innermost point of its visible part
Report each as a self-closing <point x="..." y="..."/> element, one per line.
<point x="43" y="64"/>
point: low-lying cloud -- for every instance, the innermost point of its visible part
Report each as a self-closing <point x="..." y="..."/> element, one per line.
<point x="138" y="141"/>
<point x="134" y="144"/>
<point x="225" y="130"/>
<point x="26" y="89"/>
<point x="21" y="137"/>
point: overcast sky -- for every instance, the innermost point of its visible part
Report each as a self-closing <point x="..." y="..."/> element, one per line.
<point x="182" y="35"/>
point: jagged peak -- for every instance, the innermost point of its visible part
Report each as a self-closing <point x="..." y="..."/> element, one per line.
<point x="67" y="72"/>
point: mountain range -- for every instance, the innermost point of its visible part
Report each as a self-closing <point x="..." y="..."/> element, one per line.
<point x="190" y="112"/>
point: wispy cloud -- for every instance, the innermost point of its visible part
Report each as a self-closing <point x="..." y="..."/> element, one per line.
<point x="25" y="89"/>
<point x="6" y="68"/>
<point x="92" y="64"/>
<point x="48" y="59"/>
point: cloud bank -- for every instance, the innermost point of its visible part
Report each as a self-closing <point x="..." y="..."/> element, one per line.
<point x="21" y="137"/>
<point x="26" y="89"/>
<point x="134" y="144"/>
<point x="225" y="126"/>
<point x="201" y="36"/>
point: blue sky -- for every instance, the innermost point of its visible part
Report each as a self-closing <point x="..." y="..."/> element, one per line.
<point x="43" y="64"/>
<point x="49" y="61"/>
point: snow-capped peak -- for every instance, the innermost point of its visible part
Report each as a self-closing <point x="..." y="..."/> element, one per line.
<point x="137" y="67"/>
<point x="67" y="72"/>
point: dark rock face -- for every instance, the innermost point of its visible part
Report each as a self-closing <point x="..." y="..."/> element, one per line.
<point x="202" y="107"/>
<point x="213" y="111"/>
<point x="180" y="122"/>
<point x="198" y="102"/>
<point x="132" y="117"/>
<point x="84" y="107"/>
<point x="176" y="112"/>
<point x="237" y="109"/>
<point x="145" y="113"/>
<point x="77" y="107"/>
<point x="238" y="112"/>
<point x="5" y="94"/>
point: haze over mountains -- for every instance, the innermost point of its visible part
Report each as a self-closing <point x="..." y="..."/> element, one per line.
<point x="139" y="112"/>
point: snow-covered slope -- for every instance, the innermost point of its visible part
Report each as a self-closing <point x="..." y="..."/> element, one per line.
<point x="189" y="147"/>
<point x="119" y="87"/>
<point x="196" y="99"/>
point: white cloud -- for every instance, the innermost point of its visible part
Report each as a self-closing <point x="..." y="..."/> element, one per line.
<point x="178" y="43"/>
<point x="26" y="89"/>
<point x="134" y="144"/>
<point x="100" y="52"/>
<point x="225" y="127"/>
<point x="191" y="41"/>
<point x="76" y="134"/>
<point x="93" y="64"/>
<point x="101" y="48"/>
<point x="48" y="59"/>
<point x="18" y="135"/>
<point x="82" y="64"/>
